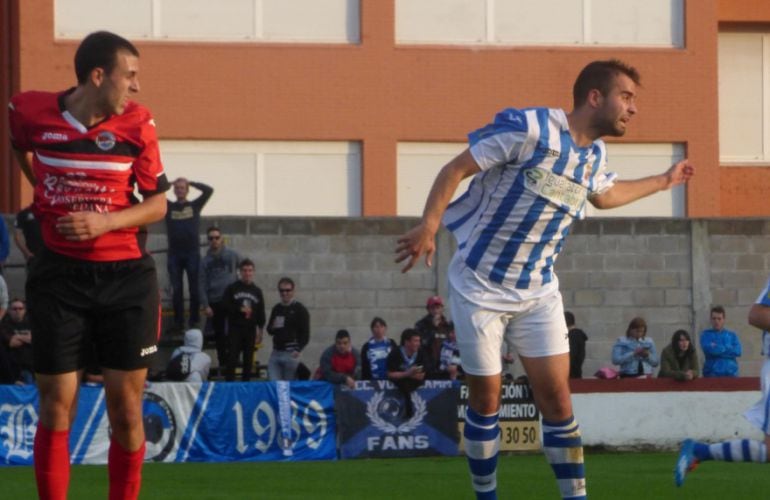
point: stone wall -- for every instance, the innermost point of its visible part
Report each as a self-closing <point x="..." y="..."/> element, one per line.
<point x="667" y="271"/>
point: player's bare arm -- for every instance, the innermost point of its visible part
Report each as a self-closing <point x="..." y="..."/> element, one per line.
<point x="422" y="238"/>
<point x="24" y="158"/>
<point x="625" y="192"/>
<point x="80" y="226"/>
<point x="759" y="316"/>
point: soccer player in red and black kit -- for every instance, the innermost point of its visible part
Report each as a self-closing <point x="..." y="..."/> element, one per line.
<point x="94" y="286"/>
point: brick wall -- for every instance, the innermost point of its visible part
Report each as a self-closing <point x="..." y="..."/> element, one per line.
<point x="668" y="271"/>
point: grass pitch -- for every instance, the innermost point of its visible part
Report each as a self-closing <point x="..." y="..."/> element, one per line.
<point x="611" y="476"/>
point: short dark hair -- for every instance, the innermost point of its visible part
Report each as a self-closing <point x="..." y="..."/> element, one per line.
<point x="600" y="75"/>
<point x="98" y="50"/>
<point x="407" y="334"/>
<point x="286" y="280"/>
<point x="377" y="321"/>
<point x="569" y="318"/>
<point x="342" y="334"/>
<point x="719" y="310"/>
<point x="246" y="262"/>
<point x="213" y="228"/>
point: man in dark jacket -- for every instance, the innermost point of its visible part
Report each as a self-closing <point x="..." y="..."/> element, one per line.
<point x="577" y="346"/>
<point x="289" y="326"/>
<point x="245" y="306"/>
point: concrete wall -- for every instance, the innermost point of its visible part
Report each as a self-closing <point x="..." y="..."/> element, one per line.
<point x="668" y="271"/>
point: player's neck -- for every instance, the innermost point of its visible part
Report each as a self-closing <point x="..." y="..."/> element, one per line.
<point x="83" y="107"/>
<point x="581" y="129"/>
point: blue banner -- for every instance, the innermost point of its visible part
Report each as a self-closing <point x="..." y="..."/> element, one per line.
<point x="209" y="422"/>
<point x="374" y="421"/>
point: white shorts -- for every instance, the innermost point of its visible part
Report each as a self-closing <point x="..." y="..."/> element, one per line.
<point x="536" y="328"/>
<point x="759" y="414"/>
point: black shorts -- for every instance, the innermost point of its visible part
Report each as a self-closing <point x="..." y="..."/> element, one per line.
<point x="80" y="310"/>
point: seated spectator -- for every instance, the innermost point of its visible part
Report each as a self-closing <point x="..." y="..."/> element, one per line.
<point x="195" y="364"/>
<point x="433" y="328"/>
<point x="406" y="367"/>
<point x="26" y="234"/>
<point x="341" y="363"/>
<point x="449" y="366"/>
<point x="679" y="359"/>
<point x="17" y="339"/>
<point x="721" y="347"/>
<point x="635" y="353"/>
<point x="577" y="346"/>
<point x="375" y="351"/>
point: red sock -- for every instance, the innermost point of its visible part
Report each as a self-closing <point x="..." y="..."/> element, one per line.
<point x="125" y="471"/>
<point x="52" y="463"/>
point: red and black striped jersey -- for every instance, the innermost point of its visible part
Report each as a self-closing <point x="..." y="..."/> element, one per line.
<point x="79" y="168"/>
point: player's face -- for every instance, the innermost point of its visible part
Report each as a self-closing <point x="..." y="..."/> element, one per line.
<point x="247" y="274"/>
<point x="119" y="86"/>
<point x="717" y="321"/>
<point x="617" y="107"/>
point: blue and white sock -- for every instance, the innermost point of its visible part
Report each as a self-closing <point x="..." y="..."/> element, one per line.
<point x="563" y="448"/>
<point x="736" y="450"/>
<point x="482" y="444"/>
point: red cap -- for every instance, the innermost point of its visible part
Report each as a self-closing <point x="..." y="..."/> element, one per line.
<point x="435" y="301"/>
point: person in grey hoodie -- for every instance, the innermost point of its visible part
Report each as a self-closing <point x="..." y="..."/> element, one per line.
<point x="219" y="269"/>
<point x="200" y="362"/>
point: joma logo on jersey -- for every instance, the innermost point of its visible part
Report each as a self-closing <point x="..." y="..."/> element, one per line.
<point x="550" y="152"/>
<point x="54" y="136"/>
<point x="146" y="351"/>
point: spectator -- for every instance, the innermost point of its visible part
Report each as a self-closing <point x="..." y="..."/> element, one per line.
<point x="182" y="227"/>
<point x="245" y="307"/>
<point x="219" y="268"/>
<point x="198" y="362"/>
<point x="341" y="363"/>
<point x="5" y="243"/>
<point x="3" y="297"/>
<point x="720" y="346"/>
<point x="375" y="351"/>
<point x="508" y="359"/>
<point x="449" y="366"/>
<point x="406" y="367"/>
<point x="635" y="353"/>
<point x="289" y="326"/>
<point x="577" y="346"/>
<point x="433" y="329"/>
<point x="26" y="233"/>
<point x="679" y="359"/>
<point x="17" y="339"/>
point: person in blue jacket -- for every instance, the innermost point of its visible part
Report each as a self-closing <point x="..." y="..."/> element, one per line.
<point x="635" y="353"/>
<point x="720" y="346"/>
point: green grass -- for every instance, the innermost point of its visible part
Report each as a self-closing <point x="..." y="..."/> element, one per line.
<point x="611" y="476"/>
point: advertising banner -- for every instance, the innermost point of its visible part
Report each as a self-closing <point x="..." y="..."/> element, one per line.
<point x="209" y="422"/>
<point x="374" y="421"/>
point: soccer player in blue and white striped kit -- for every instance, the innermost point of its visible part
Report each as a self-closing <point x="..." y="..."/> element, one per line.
<point x="534" y="170"/>
<point x="738" y="450"/>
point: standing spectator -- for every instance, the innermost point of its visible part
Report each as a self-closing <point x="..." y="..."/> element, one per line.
<point x="219" y="268"/>
<point x="183" y="218"/>
<point x="26" y="234"/>
<point x="406" y="367"/>
<point x="635" y="353"/>
<point x="679" y="359"/>
<point x="433" y="329"/>
<point x="5" y="243"/>
<point x="3" y="297"/>
<point x="341" y="363"/>
<point x="289" y="326"/>
<point x="577" y="346"/>
<point x="16" y="336"/>
<point x="245" y="306"/>
<point x="720" y="346"/>
<point x="449" y="366"/>
<point x="375" y="351"/>
<point x="198" y="362"/>
<point x="94" y="284"/>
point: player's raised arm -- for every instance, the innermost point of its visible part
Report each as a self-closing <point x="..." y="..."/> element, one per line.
<point x="625" y="192"/>
<point x="422" y="238"/>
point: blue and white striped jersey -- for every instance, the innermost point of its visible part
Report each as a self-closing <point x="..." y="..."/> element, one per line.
<point x="511" y="222"/>
<point x="764" y="300"/>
